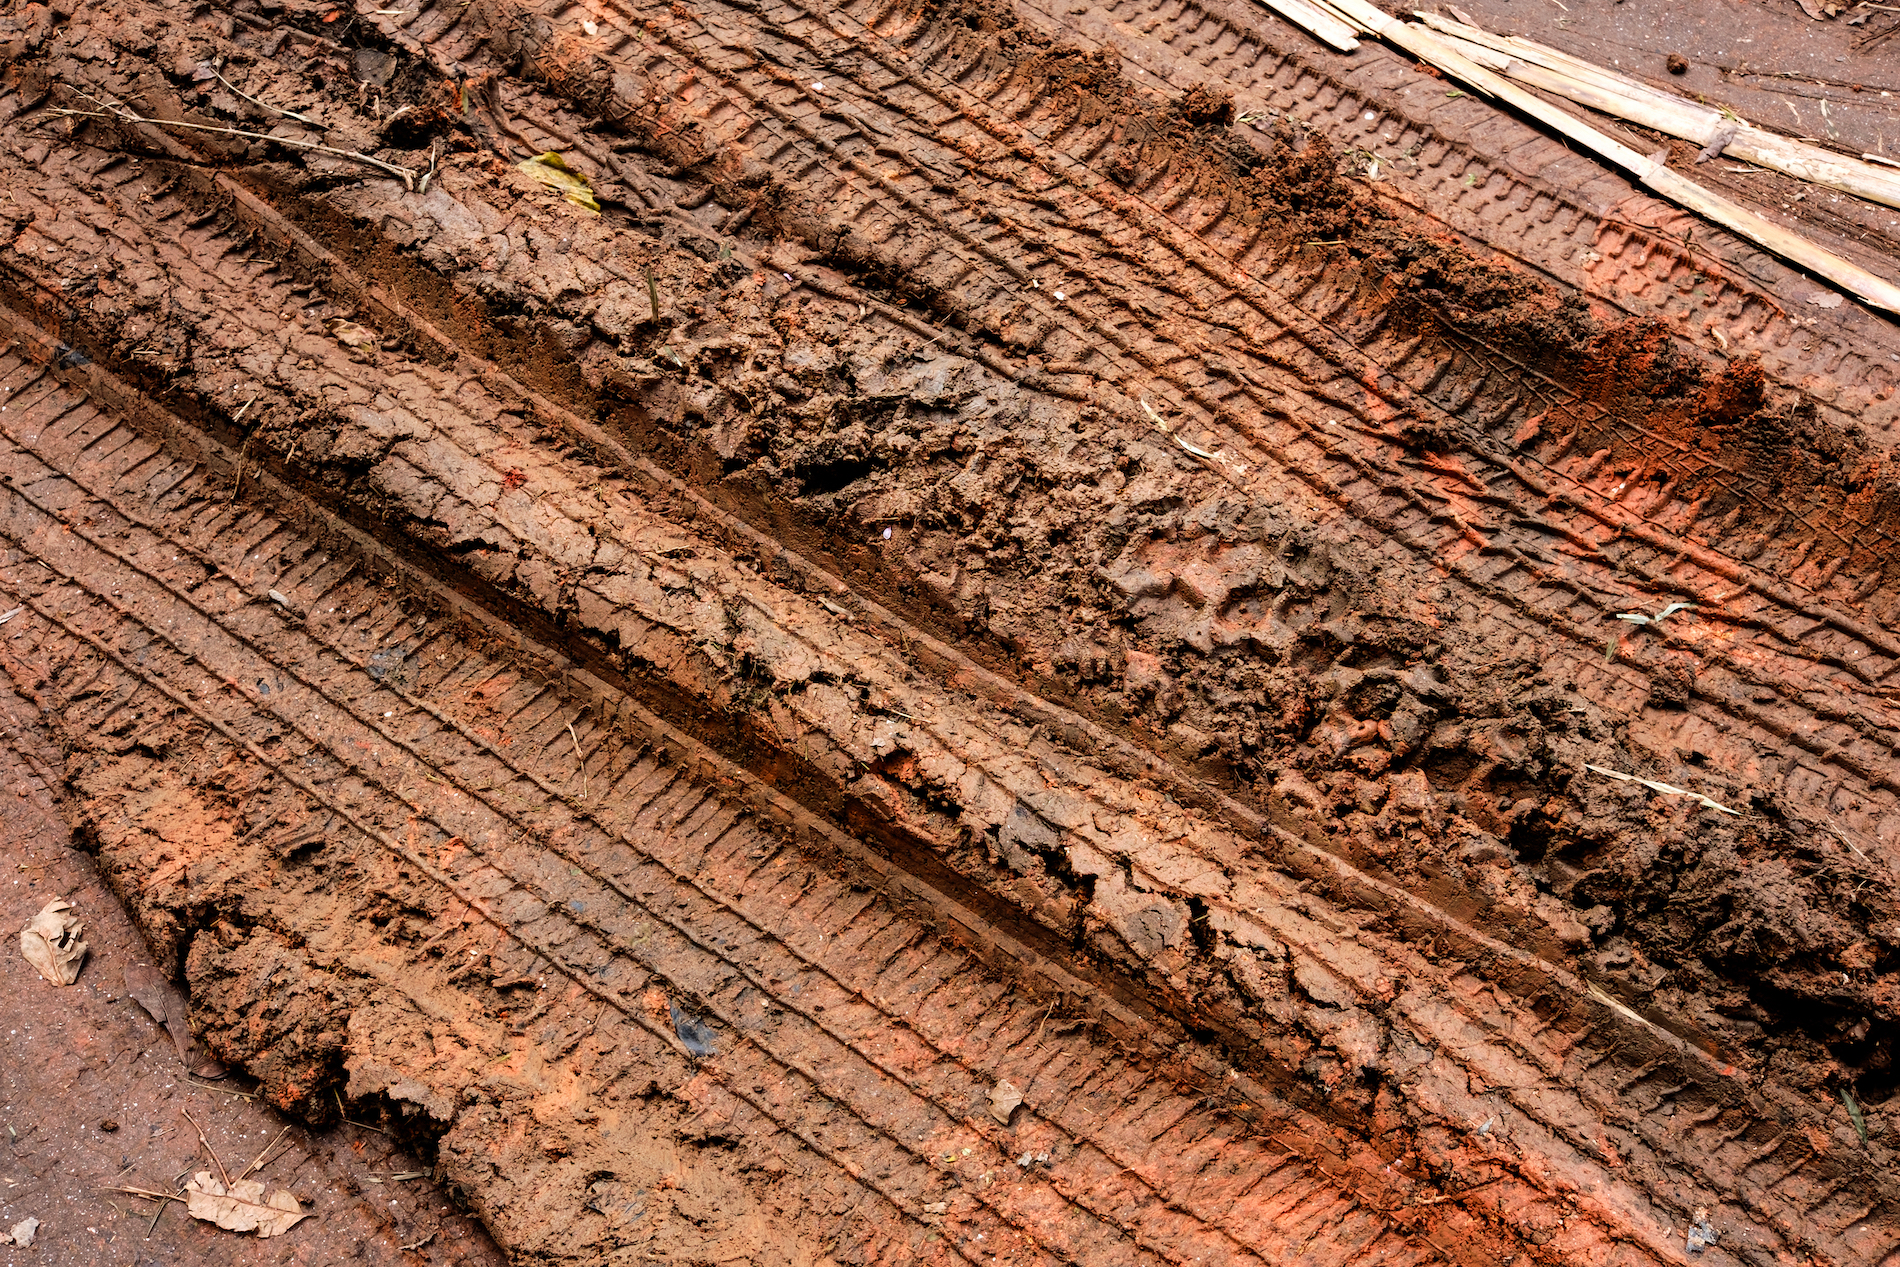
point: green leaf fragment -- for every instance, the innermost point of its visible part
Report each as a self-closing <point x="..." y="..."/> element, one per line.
<point x="552" y="170"/>
<point x="1853" y="1111"/>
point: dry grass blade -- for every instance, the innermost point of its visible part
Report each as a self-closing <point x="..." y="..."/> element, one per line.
<point x="149" y="1195"/>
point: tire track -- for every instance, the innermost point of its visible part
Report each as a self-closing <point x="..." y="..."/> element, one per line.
<point x="555" y="733"/>
<point x="522" y="890"/>
<point x="26" y="400"/>
<point x="1368" y="480"/>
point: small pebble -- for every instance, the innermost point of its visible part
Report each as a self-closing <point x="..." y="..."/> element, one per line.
<point x="1678" y="64"/>
<point x="108" y="1126"/>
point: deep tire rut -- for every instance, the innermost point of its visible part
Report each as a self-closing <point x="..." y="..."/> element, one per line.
<point x="796" y="967"/>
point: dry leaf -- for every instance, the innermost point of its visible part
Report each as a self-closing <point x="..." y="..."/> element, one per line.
<point x="351" y="335"/>
<point x="551" y="169"/>
<point x="242" y="1207"/>
<point x="1003" y="1101"/>
<point x="162" y="1001"/>
<point x="51" y="943"/>
<point x="1825" y="299"/>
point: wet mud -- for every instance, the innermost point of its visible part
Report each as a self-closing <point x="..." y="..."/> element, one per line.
<point x="1236" y="606"/>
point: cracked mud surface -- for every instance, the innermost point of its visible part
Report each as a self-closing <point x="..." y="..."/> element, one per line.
<point x="989" y="561"/>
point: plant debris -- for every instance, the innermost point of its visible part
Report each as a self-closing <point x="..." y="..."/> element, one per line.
<point x="51" y="943"/>
<point x="1004" y="1098"/>
<point x="1854" y="1114"/>
<point x="1665" y="788"/>
<point x="242" y="1207"/>
<point x="552" y="170"/>
<point x="162" y="1002"/>
<point x="352" y="335"/>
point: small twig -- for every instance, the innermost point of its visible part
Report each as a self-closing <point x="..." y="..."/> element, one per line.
<point x="288" y="114"/>
<point x="1035" y="1043"/>
<point x="419" y="1244"/>
<point x="1842" y="837"/>
<point x="580" y="757"/>
<point x="244" y="452"/>
<point x="212" y="1086"/>
<point x="403" y="174"/>
<point x="222" y="1172"/>
<point x="149" y="1194"/>
<point x="259" y="1163"/>
<point x="1458" y="1196"/>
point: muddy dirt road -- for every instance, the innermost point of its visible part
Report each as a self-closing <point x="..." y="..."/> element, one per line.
<point x="1076" y="634"/>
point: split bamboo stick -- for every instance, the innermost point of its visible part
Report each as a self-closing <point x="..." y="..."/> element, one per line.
<point x="1613" y="93"/>
<point x="1650" y="170"/>
<point x="1323" y="26"/>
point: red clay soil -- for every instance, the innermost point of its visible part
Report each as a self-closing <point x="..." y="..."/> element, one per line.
<point x="97" y="1099"/>
<point x="1007" y="656"/>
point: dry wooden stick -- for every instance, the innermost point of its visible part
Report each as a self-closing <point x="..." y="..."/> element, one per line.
<point x="1321" y="25"/>
<point x="578" y="754"/>
<point x="1614" y="93"/>
<point x="259" y="1163"/>
<point x="1438" y="51"/>
<point x="222" y="1172"/>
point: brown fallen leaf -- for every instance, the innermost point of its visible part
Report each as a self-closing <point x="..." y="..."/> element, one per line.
<point x="161" y="1000"/>
<point x="51" y="943"/>
<point x="1004" y="1098"/>
<point x="242" y="1207"/>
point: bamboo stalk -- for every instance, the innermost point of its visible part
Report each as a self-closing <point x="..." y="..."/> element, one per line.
<point x="1449" y="57"/>
<point x="1613" y="93"/>
<point x="1320" y="25"/>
